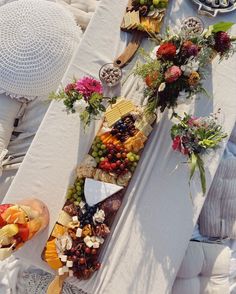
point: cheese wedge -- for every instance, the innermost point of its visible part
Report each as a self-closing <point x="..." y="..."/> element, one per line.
<point x="96" y="191"/>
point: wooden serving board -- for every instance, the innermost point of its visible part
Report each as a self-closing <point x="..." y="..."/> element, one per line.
<point x="56" y="286"/>
<point x="130" y="50"/>
<point x="137" y="34"/>
<point x="113" y="202"/>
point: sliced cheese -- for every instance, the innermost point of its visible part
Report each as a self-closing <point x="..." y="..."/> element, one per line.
<point x="147" y="129"/>
<point x="126" y="108"/>
<point x="121" y="108"/>
<point x="144" y="127"/>
<point x="58" y="231"/>
<point x="64" y="218"/>
<point x="96" y="191"/>
<point x="5" y="253"/>
<point x="127" y="19"/>
<point x="136" y="18"/>
<point x="112" y="116"/>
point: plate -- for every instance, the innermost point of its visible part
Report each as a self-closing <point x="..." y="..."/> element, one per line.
<point x="213" y="7"/>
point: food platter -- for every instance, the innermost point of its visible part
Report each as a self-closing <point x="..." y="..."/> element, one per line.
<point x="213" y="7"/>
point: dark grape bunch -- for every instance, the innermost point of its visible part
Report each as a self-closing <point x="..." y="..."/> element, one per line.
<point x="85" y="259"/>
<point x="124" y="128"/>
<point x="87" y="217"/>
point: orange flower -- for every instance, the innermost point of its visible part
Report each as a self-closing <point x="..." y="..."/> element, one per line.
<point x="151" y="79"/>
<point x="193" y="78"/>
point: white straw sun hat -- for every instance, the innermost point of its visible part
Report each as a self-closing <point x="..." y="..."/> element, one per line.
<point x="37" y="41"/>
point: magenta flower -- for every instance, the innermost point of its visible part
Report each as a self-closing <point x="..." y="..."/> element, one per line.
<point x="172" y="74"/>
<point x="87" y="86"/>
<point x="176" y="143"/>
<point x="222" y="42"/>
<point x="189" y="49"/>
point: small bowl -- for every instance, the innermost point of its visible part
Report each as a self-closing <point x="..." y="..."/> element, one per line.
<point x="110" y="74"/>
<point x="192" y="25"/>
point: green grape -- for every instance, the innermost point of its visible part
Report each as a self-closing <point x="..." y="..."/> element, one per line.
<point x="68" y="196"/>
<point x="69" y="192"/>
<point x="100" y="153"/>
<point x="103" y="147"/>
<point x="132" y="168"/>
<point x="102" y="158"/>
<point x="95" y="149"/>
<point x="81" y="181"/>
<point x="97" y="159"/>
<point x="79" y="199"/>
<point x="135" y="164"/>
<point x="78" y="187"/>
<point x="137" y="157"/>
<point x="99" y="145"/>
<point x="76" y="203"/>
<point x="94" y="154"/>
<point x="132" y="158"/>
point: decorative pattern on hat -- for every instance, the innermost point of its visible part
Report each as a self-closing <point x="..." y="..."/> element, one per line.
<point x="38" y="39"/>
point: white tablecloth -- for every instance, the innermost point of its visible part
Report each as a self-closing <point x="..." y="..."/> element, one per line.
<point x="156" y="222"/>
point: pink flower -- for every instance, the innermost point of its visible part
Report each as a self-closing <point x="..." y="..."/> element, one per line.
<point x="191" y="121"/>
<point x="177" y="143"/>
<point x="172" y="74"/>
<point x="87" y="86"/>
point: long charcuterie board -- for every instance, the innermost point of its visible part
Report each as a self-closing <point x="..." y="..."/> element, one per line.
<point x="96" y="195"/>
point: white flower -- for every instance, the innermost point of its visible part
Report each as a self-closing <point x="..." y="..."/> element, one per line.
<point x="191" y="66"/>
<point x="153" y="53"/>
<point x="79" y="105"/>
<point x="99" y="216"/>
<point x="162" y="87"/>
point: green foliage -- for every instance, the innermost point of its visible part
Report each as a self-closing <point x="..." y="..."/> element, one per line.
<point x="195" y="136"/>
<point x="222" y="27"/>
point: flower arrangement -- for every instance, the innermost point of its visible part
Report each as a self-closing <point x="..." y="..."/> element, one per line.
<point x="193" y="136"/>
<point x="84" y="96"/>
<point x="177" y="68"/>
